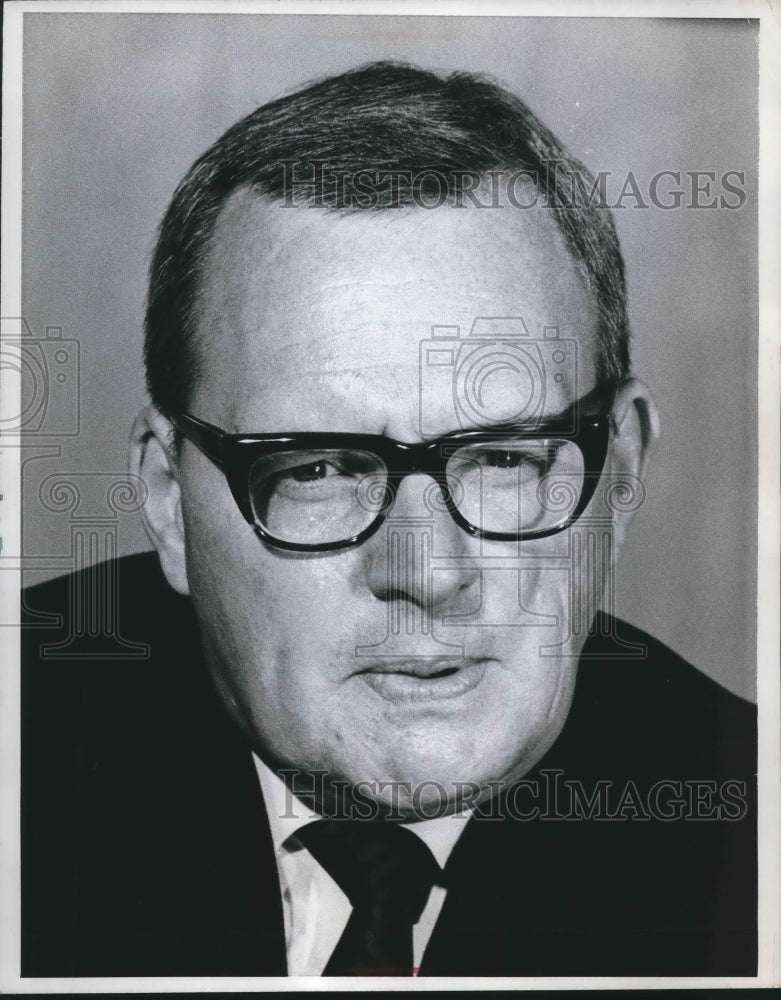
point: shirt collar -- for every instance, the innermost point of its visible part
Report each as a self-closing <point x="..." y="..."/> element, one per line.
<point x="287" y="814"/>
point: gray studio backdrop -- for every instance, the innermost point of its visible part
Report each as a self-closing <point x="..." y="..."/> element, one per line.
<point x="117" y="106"/>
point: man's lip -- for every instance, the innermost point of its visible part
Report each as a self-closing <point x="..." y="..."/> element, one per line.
<point x="424" y="667"/>
<point x="424" y="680"/>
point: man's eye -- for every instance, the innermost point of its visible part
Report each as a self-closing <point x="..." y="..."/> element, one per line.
<point x="342" y="464"/>
<point x="539" y="460"/>
<point x="504" y="459"/>
<point x="312" y="471"/>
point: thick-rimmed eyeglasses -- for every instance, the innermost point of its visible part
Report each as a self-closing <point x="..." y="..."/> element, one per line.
<point x="315" y="492"/>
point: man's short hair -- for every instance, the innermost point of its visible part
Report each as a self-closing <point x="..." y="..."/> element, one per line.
<point x="380" y="137"/>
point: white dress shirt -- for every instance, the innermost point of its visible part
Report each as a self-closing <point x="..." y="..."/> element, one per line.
<point x="315" y="909"/>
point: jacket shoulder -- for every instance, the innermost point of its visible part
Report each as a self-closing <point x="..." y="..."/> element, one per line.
<point x="139" y="804"/>
<point x="131" y="587"/>
<point x="636" y="692"/>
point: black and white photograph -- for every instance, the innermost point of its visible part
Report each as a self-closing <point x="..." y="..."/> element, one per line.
<point x="389" y="523"/>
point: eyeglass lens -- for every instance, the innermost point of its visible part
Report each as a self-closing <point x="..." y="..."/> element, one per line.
<point x="504" y="486"/>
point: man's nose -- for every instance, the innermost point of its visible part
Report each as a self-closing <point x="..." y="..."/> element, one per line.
<point x="420" y="554"/>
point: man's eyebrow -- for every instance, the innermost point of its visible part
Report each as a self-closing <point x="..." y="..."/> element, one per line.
<point x="588" y="405"/>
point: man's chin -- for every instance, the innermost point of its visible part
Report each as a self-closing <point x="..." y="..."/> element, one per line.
<point x="420" y="797"/>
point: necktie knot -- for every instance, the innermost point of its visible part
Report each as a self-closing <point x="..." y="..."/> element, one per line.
<point x="375" y="863"/>
<point x="387" y="873"/>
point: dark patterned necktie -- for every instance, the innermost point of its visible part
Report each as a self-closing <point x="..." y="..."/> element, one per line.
<point x="387" y="873"/>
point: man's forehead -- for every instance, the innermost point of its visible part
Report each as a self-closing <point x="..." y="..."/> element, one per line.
<point x="252" y="231"/>
<point x="307" y="297"/>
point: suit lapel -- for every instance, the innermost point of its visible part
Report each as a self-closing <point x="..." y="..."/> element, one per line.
<point x="238" y="919"/>
<point x="176" y="870"/>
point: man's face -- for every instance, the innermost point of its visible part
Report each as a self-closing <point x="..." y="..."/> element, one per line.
<point x="344" y="660"/>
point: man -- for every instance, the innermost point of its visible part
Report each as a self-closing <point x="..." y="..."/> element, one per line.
<point x="392" y="453"/>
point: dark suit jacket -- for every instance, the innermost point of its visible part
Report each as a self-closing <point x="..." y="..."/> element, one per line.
<point x="146" y="849"/>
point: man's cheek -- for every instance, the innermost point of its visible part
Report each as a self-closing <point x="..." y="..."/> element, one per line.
<point x="533" y="605"/>
<point x="218" y="541"/>
<point x="563" y="591"/>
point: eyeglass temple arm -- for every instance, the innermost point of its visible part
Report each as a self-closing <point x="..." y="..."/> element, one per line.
<point x="205" y="437"/>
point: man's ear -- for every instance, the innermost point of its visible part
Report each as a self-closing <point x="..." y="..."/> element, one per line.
<point x="634" y="437"/>
<point x="152" y="458"/>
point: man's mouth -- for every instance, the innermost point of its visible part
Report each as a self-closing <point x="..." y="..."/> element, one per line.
<point x="424" y="679"/>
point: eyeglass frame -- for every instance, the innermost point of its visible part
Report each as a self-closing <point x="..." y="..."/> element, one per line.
<point x="235" y="454"/>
